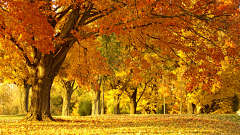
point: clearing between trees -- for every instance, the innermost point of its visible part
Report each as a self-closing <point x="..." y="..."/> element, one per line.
<point x="126" y="124"/>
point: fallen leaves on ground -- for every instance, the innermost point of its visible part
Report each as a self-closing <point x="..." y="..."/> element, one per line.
<point x="126" y="124"/>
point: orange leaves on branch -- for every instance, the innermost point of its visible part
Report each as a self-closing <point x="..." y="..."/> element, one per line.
<point x="134" y="53"/>
<point x="223" y="7"/>
<point x="145" y="64"/>
<point x="24" y="22"/>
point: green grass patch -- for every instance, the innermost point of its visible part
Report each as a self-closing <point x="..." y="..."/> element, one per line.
<point x="127" y="124"/>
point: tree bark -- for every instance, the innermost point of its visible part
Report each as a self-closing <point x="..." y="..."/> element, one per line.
<point x="95" y="102"/>
<point x="116" y="104"/>
<point x="42" y="76"/>
<point x="24" y="95"/>
<point x="67" y="98"/>
<point x="133" y="102"/>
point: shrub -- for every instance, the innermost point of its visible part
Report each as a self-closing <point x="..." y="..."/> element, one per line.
<point x="161" y="109"/>
<point x="235" y="104"/>
<point x="85" y="107"/>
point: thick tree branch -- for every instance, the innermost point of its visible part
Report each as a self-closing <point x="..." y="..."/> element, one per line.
<point x="85" y="16"/>
<point x="73" y="17"/>
<point x="63" y="13"/>
<point x="100" y="16"/>
<point x="61" y="54"/>
<point x="36" y="56"/>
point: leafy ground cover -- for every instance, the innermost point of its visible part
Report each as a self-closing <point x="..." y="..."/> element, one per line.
<point x="126" y="124"/>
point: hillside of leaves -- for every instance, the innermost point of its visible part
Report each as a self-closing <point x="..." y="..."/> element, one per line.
<point x="126" y="124"/>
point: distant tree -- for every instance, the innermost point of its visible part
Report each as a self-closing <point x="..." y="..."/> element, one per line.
<point x="9" y="98"/>
<point x="5" y="95"/>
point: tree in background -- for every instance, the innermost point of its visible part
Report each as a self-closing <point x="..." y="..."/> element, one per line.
<point x="5" y="96"/>
<point x="9" y="98"/>
<point x="14" y="71"/>
<point x="222" y="96"/>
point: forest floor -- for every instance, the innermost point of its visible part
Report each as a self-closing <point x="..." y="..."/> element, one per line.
<point x="125" y="124"/>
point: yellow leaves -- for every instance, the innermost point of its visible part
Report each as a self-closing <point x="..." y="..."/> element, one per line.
<point x="121" y="74"/>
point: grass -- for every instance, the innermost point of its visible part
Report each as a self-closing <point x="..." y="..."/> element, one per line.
<point x="126" y="124"/>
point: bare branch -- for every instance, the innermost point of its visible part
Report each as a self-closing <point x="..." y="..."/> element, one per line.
<point x="178" y="55"/>
<point x="4" y="9"/>
<point x="100" y="16"/>
<point x="61" y="54"/>
<point x="144" y="89"/>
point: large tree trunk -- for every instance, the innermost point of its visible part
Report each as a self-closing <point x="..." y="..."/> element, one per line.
<point x="67" y="98"/>
<point x="133" y="102"/>
<point x="44" y="67"/>
<point x="24" y="94"/>
<point x="40" y="101"/>
<point x="95" y="102"/>
<point x="42" y="76"/>
<point x="116" y="104"/>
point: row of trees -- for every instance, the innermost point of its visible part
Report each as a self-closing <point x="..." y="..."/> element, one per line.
<point x="51" y="37"/>
<point x="145" y="93"/>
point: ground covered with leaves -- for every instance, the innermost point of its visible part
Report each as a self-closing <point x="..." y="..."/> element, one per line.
<point x="125" y="124"/>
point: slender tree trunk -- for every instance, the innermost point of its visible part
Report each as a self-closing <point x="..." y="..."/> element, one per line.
<point x="102" y="108"/>
<point x="189" y="106"/>
<point x="116" y="104"/>
<point x="199" y="109"/>
<point x="67" y="98"/>
<point x="133" y="102"/>
<point x="24" y="95"/>
<point x="144" y="111"/>
<point x="95" y="102"/>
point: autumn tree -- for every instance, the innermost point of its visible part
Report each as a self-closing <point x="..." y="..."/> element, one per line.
<point x="67" y="81"/>
<point x="43" y="31"/>
<point x="111" y="49"/>
<point x="43" y="41"/>
<point x="222" y="95"/>
<point x="87" y="67"/>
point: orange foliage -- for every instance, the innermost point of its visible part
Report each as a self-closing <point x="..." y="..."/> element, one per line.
<point x="204" y="30"/>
